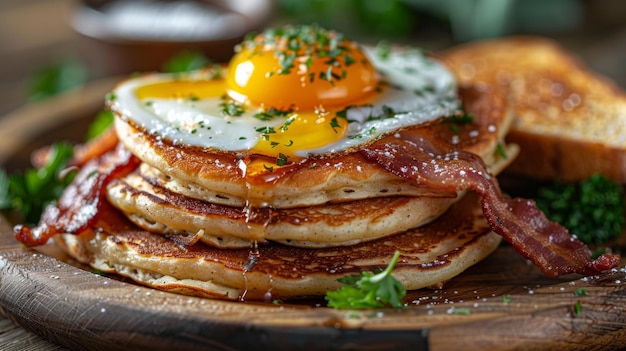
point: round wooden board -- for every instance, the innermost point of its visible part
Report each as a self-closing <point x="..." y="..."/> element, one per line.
<point x="502" y="303"/>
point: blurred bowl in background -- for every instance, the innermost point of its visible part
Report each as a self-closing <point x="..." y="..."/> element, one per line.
<point x="124" y="36"/>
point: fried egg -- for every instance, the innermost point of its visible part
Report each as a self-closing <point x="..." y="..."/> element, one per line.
<point x="291" y="93"/>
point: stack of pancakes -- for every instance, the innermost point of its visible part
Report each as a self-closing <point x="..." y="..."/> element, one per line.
<point x="210" y="223"/>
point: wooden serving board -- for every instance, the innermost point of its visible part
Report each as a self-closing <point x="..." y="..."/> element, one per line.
<point x="502" y="303"/>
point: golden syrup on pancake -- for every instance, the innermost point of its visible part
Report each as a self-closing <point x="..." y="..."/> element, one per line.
<point x="253" y="258"/>
<point x="252" y="210"/>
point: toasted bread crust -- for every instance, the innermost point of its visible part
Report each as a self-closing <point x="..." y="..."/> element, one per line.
<point x="569" y="122"/>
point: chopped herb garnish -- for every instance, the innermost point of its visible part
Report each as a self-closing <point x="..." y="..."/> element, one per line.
<point x="388" y="111"/>
<point x="369" y="131"/>
<point x="110" y="96"/>
<point x="309" y="42"/>
<point x="272" y="113"/>
<point x="29" y="193"/>
<point x="580" y="292"/>
<point x="287" y="123"/>
<point x="343" y="113"/>
<point x="348" y="60"/>
<point x="578" y="309"/>
<point x="369" y="290"/>
<point x="334" y="124"/>
<point x="592" y="209"/>
<point x="232" y="108"/>
<point x="282" y="159"/>
<point x="266" y="130"/>
<point x="459" y="118"/>
<point x="506" y="299"/>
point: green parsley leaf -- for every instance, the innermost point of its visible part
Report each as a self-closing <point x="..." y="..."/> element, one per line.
<point x="272" y="113"/>
<point x="580" y="292"/>
<point x="334" y="124"/>
<point x="282" y="159"/>
<point x="29" y="193"/>
<point x="369" y="290"/>
<point x="592" y="209"/>
<point x="266" y="130"/>
<point x="232" y="108"/>
<point x="102" y="122"/>
<point x="578" y="309"/>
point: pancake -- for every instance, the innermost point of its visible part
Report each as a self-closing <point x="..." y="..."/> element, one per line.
<point x="160" y="210"/>
<point x="344" y="223"/>
<point x="237" y="179"/>
<point x="430" y="255"/>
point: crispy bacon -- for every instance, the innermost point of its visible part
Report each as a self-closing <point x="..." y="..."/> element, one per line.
<point x="77" y="209"/>
<point x="83" y="153"/>
<point x="421" y="156"/>
<point x="104" y="143"/>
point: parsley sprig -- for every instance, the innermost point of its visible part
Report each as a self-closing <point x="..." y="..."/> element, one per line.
<point x="369" y="290"/>
<point x="29" y="193"/>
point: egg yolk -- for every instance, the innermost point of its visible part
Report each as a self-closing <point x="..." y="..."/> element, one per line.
<point x="302" y="131"/>
<point x="272" y="76"/>
<point x="304" y="81"/>
<point x="181" y="89"/>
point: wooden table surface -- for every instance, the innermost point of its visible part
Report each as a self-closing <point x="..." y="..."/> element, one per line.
<point x="36" y="32"/>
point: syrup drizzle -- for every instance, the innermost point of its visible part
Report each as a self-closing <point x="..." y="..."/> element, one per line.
<point x="253" y="211"/>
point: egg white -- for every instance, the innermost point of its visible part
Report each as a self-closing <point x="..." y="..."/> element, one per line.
<point x="420" y="90"/>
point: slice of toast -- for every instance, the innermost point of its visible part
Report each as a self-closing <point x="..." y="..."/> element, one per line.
<point x="569" y="121"/>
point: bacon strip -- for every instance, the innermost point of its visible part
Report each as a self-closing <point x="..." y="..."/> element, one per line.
<point x="78" y="208"/>
<point x="430" y="161"/>
<point x="104" y="143"/>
